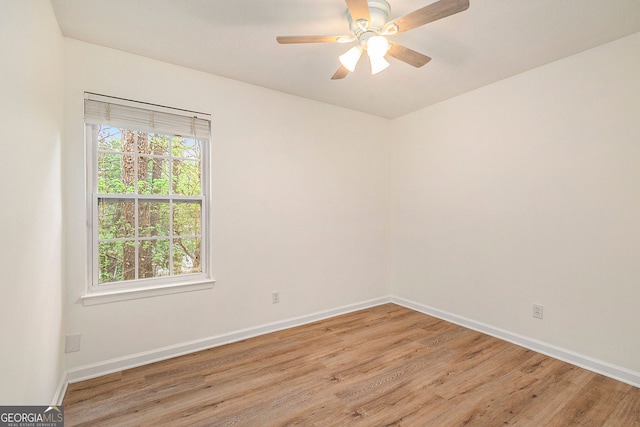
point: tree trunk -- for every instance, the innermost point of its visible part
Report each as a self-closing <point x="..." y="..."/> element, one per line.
<point x="128" y="178"/>
<point x="145" y="249"/>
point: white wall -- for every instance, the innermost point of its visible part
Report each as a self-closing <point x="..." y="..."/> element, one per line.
<point x="300" y="206"/>
<point x="523" y="191"/>
<point x="31" y="329"/>
<point x="528" y="191"/>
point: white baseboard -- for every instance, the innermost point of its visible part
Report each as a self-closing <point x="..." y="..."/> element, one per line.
<point x="115" y="365"/>
<point x="60" y="390"/>
<point x="616" y="372"/>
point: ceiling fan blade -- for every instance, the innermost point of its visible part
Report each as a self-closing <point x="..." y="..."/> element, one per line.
<point x="407" y="55"/>
<point x="433" y="12"/>
<point x="310" y="39"/>
<point x="341" y="73"/>
<point x="359" y="9"/>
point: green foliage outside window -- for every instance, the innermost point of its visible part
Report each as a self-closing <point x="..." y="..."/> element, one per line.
<point x="149" y="205"/>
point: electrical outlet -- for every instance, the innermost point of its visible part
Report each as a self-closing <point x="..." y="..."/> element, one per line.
<point x="275" y="297"/>
<point x="72" y="343"/>
<point x="537" y="311"/>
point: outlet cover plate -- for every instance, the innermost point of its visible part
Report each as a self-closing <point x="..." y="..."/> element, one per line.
<point x="537" y="311"/>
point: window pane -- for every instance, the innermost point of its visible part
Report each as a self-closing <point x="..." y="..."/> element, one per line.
<point x="153" y="176"/>
<point x="186" y="256"/>
<point x="117" y="261"/>
<point x="186" y="147"/>
<point x="109" y="139"/>
<point x="157" y="145"/>
<point x="186" y="218"/>
<point x="186" y="177"/>
<point x="153" y="218"/>
<point x="153" y="258"/>
<point x="115" y="174"/>
<point x="116" y="218"/>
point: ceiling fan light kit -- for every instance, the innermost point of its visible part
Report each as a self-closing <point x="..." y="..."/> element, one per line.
<point x="369" y="25"/>
<point x="377" y="46"/>
<point x="378" y="64"/>
<point x="351" y="57"/>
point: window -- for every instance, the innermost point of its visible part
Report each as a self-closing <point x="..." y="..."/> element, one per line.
<point x="148" y="195"/>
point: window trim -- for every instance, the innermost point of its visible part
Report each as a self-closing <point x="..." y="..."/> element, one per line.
<point x="105" y="297"/>
<point x="96" y="293"/>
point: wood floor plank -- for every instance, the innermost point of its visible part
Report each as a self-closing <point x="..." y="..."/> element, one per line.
<point x="627" y="413"/>
<point x="479" y="402"/>
<point x="557" y="383"/>
<point x="385" y="365"/>
<point x="592" y="404"/>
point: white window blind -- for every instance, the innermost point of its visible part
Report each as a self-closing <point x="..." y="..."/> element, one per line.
<point x="118" y="112"/>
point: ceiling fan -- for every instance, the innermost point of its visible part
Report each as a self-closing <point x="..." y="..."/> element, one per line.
<point x="369" y="25"/>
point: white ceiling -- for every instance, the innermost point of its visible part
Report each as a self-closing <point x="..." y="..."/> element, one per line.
<point x="490" y="41"/>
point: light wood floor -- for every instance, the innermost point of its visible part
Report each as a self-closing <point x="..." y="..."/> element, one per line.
<point x="384" y="366"/>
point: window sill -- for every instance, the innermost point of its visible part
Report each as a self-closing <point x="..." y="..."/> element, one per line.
<point x="95" y="298"/>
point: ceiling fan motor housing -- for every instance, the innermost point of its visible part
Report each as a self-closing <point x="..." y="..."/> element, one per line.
<point x="379" y="11"/>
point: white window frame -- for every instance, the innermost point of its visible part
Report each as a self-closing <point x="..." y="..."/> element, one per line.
<point x="138" y="116"/>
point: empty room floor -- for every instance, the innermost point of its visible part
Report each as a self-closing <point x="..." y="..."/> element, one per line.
<point x="383" y="366"/>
